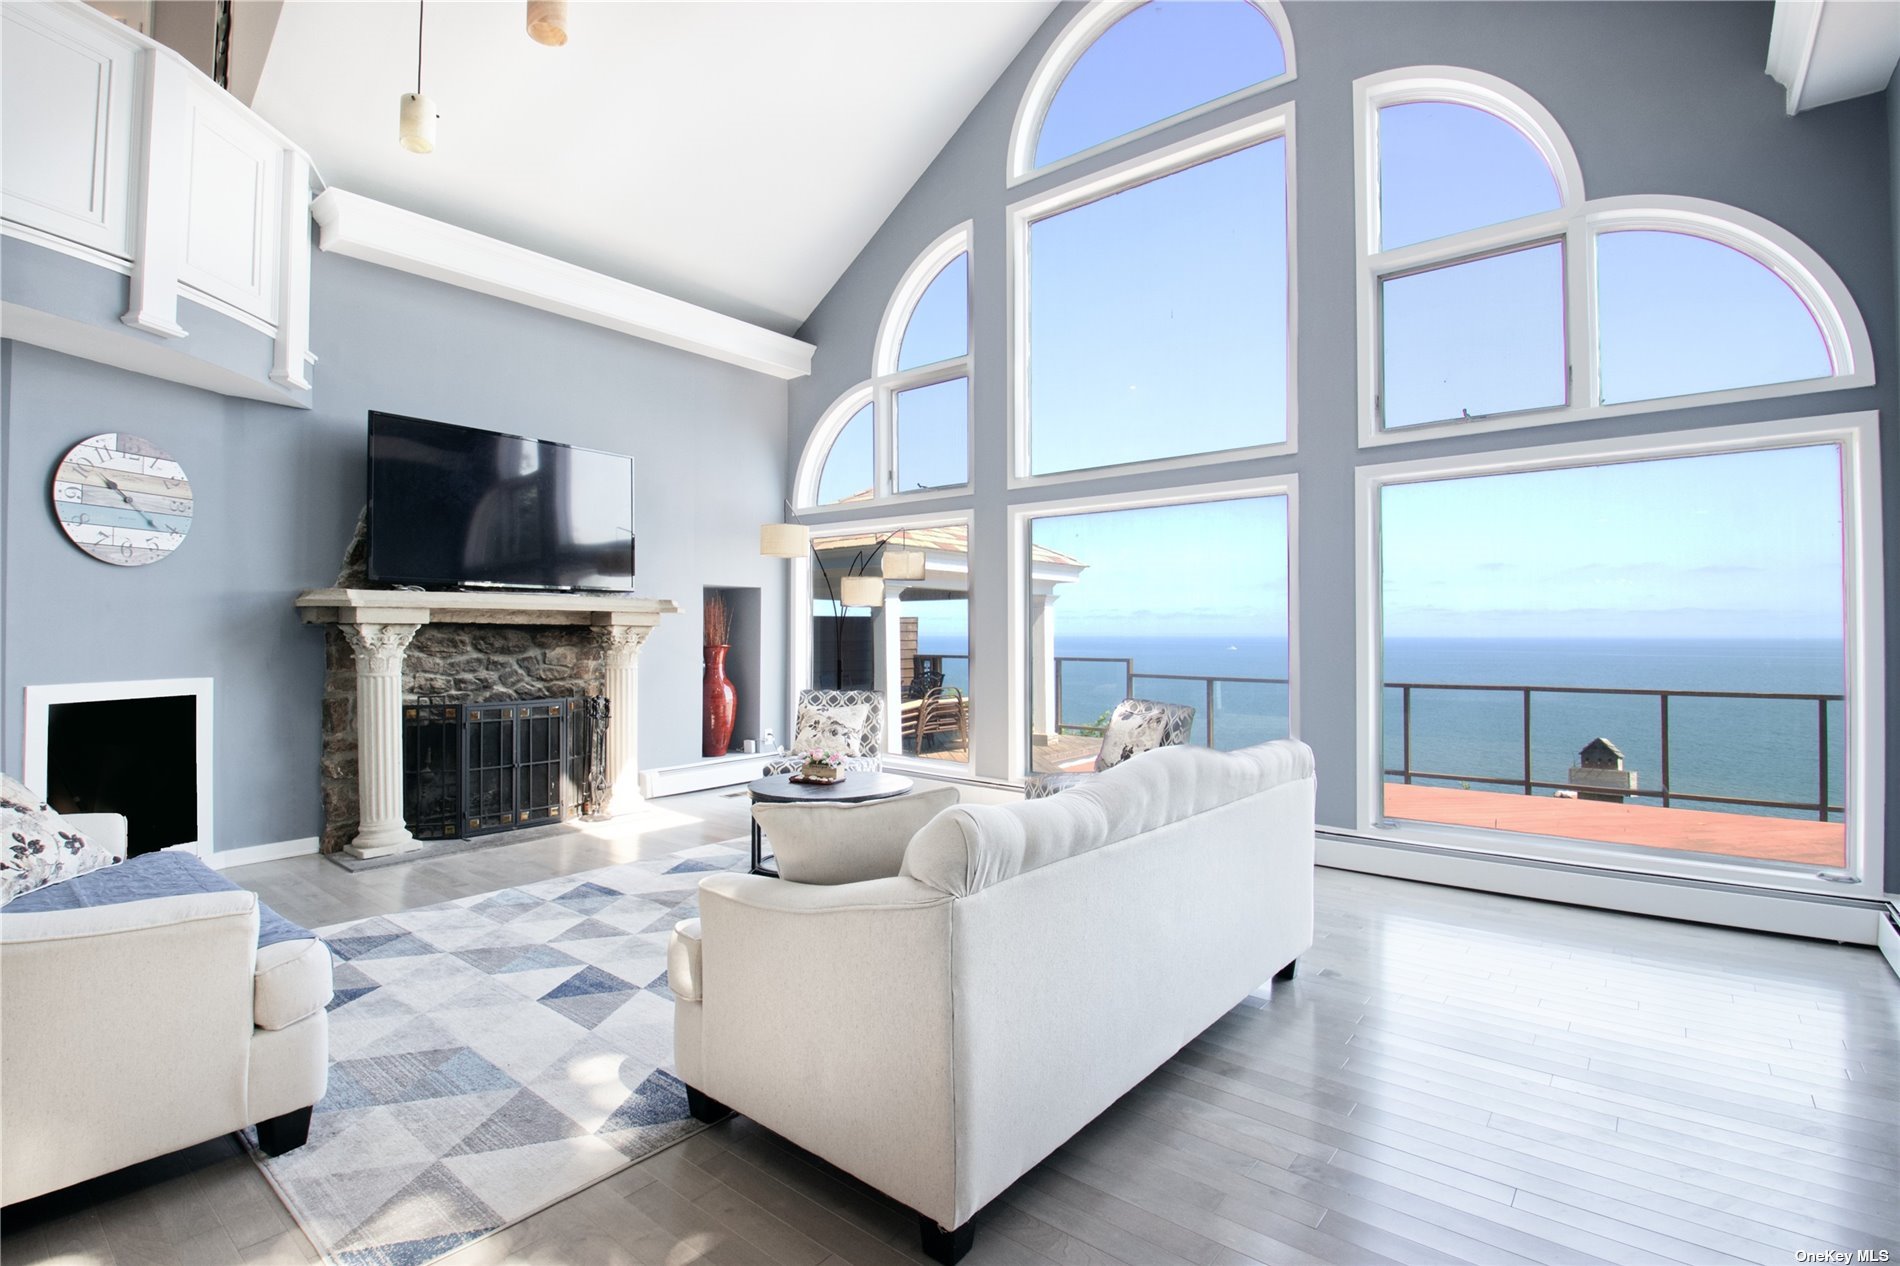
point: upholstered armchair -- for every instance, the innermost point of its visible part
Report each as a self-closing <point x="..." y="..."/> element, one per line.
<point x="868" y="754"/>
<point x="1136" y="725"/>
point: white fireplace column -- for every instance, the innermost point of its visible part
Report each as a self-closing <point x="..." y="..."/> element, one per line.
<point x="622" y="645"/>
<point x="379" y="652"/>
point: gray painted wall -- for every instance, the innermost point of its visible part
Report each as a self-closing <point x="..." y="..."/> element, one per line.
<point x="278" y="491"/>
<point x="1660" y="98"/>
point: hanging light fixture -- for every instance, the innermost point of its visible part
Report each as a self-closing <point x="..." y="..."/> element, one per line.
<point x="784" y="540"/>
<point x="418" y="112"/>
<point x="861" y="591"/>
<point x="904" y="564"/>
<point x="547" y="22"/>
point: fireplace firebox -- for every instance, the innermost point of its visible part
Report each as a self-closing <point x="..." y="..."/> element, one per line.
<point x="474" y="769"/>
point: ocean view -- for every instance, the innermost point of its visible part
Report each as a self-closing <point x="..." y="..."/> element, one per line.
<point x="1759" y="749"/>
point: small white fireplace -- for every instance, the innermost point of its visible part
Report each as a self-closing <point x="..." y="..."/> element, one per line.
<point x="140" y="748"/>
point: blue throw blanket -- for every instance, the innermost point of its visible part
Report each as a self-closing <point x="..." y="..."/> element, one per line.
<point x="166" y="873"/>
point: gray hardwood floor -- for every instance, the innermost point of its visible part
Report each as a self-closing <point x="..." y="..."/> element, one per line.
<point x="1453" y="1077"/>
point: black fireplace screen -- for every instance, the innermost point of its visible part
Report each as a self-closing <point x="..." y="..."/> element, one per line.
<point x="478" y="768"/>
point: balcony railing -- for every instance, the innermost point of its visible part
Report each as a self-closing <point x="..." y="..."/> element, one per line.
<point x="1820" y="806"/>
<point x="1130" y="676"/>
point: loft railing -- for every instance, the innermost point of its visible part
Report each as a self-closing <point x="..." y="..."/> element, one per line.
<point x="1820" y="806"/>
<point x="1130" y="676"/>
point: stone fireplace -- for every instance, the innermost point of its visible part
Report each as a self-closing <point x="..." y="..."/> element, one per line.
<point x="387" y="649"/>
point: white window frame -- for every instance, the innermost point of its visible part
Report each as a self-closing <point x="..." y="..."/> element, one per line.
<point x="1857" y="435"/>
<point x="800" y="675"/>
<point x="1021" y="518"/>
<point x="1068" y="48"/>
<point x="887" y="383"/>
<point x="1577" y="223"/>
<point x="1219" y="142"/>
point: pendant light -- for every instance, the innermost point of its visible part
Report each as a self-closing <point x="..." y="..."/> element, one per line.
<point x="547" y="22"/>
<point x="418" y="116"/>
<point x="904" y="564"/>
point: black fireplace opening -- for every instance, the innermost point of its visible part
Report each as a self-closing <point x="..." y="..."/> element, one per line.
<point x="475" y="768"/>
<point x="136" y="757"/>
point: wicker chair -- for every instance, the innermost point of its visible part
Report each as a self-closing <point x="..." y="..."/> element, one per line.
<point x="1151" y="724"/>
<point x="869" y="758"/>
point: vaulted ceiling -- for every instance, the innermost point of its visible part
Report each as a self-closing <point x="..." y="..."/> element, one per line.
<point x="735" y="155"/>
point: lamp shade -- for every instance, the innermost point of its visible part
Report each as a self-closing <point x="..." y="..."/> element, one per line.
<point x="784" y="540"/>
<point x="418" y="123"/>
<point x="903" y="564"/>
<point x="862" y="591"/>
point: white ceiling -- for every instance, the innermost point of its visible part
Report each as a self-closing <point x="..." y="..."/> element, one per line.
<point x="735" y="155"/>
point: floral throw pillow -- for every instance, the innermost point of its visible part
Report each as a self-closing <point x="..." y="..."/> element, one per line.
<point x="37" y="846"/>
<point x="1139" y="725"/>
<point x="836" y="729"/>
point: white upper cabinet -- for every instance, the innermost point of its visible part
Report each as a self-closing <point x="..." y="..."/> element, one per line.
<point x="121" y="153"/>
<point x="69" y="125"/>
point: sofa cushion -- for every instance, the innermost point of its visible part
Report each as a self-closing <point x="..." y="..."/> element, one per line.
<point x="968" y="848"/>
<point x="682" y="961"/>
<point x="166" y="873"/>
<point x="38" y="847"/>
<point x="846" y="843"/>
<point x="293" y="981"/>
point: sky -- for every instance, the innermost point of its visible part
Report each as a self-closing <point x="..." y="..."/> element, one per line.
<point x="1158" y="326"/>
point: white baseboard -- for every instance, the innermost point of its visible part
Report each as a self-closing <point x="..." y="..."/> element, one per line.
<point x="225" y="858"/>
<point x="731" y="770"/>
<point x="1849" y="921"/>
<point x="1887" y="937"/>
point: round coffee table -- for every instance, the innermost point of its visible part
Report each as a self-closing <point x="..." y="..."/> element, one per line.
<point x="853" y="788"/>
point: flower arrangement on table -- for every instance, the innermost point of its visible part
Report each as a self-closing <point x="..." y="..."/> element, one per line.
<point x="822" y="765"/>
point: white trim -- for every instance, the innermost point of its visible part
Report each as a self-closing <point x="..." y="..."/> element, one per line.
<point x="289" y="366"/>
<point x="1067" y="49"/>
<point x="365" y="229"/>
<point x="39" y="699"/>
<point x="731" y="770"/>
<point x="1019" y="217"/>
<point x="66" y="246"/>
<point x="251" y="855"/>
<point x="910" y="288"/>
<point x="1577" y="224"/>
<point x="1887" y="937"/>
<point x="1857" y="435"/>
<point x="1823" y="51"/>
<point x="164" y="200"/>
<point x="1020" y="516"/>
<point x="818" y="445"/>
<point x="1726" y="905"/>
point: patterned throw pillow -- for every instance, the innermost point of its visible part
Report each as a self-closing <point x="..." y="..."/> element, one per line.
<point x="37" y="846"/>
<point x="837" y="729"/>
<point x="1141" y="726"/>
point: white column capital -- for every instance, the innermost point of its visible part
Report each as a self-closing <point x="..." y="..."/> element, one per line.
<point x="621" y="642"/>
<point x="379" y="648"/>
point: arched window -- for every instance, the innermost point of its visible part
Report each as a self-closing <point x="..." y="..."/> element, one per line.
<point x="1495" y="294"/>
<point x="906" y="430"/>
<point x="1121" y="70"/>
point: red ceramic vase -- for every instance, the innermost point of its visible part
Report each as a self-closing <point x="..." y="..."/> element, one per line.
<point x="722" y="704"/>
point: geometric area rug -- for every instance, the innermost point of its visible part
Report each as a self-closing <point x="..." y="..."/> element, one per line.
<point x="490" y="1056"/>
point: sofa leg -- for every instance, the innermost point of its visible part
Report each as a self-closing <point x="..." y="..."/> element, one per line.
<point x="944" y="1246"/>
<point x="285" y="1133"/>
<point x="705" y="1107"/>
<point x="1286" y="973"/>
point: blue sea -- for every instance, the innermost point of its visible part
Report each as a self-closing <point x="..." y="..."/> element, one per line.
<point x="1759" y="749"/>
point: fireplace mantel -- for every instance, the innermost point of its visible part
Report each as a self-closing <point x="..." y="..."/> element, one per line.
<point x="378" y="624"/>
<point x="403" y="606"/>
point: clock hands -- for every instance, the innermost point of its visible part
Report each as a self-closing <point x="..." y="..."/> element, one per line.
<point x="128" y="501"/>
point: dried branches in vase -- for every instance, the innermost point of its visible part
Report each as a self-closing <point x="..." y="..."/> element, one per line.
<point x="718" y="622"/>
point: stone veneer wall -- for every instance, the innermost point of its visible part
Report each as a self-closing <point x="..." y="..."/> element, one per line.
<point x="463" y="663"/>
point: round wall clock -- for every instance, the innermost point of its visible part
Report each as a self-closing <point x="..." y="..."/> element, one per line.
<point x="122" y="499"/>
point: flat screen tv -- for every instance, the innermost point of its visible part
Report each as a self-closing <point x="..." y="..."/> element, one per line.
<point x="451" y="505"/>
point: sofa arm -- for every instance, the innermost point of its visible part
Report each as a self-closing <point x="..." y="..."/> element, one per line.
<point x="142" y="1014"/>
<point x="682" y="961"/>
<point x="107" y="830"/>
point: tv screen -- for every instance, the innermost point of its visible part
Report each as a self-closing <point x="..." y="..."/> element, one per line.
<point x="451" y="505"/>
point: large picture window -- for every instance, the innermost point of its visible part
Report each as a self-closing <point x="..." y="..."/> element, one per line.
<point x="1157" y="315"/>
<point x="1183" y="604"/>
<point x="1648" y="654"/>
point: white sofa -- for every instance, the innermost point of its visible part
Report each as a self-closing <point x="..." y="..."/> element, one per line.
<point x="129" y="1031"/>
<point x="939" y="1031"/>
